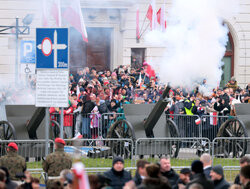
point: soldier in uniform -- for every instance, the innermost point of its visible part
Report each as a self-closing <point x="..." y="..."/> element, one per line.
<point x="57" y="161"/>
<point x="12" y="161"/>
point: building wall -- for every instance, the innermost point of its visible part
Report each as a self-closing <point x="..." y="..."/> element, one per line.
<point x="123" y="38"/>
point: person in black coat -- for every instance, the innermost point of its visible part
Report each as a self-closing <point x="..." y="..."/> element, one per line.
<point x="207" y="164"/>
<point x="117" y="175"/>
<point x="199" y="176"/>
<point x="168" y="172"/>
<point x="140" y="173"/>
<point x="88" y="104"/>
<point x="217" y="176"/>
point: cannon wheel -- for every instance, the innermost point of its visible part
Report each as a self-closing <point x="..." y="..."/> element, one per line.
<point x="233" y="128"/>
<point x="121" y="129"/>
<point x="7" y="131"/>
<point x="174" y="133"/>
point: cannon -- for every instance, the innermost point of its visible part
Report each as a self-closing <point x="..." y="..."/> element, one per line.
<point x="147" y="121"/>
<point x="236" y="127"/>
<point x="24" y="122"/>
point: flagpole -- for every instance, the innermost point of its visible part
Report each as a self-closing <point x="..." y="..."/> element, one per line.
<point x="145" y="30"/>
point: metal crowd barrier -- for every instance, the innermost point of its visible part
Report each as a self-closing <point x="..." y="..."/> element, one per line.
<point x="182" y="151"/>
<point x="99" y="153"/>
<point x="187" y="124"/>
<point x="108" y="119"/>
<point x="99" y="124"/>
<point x="32" y="150"/>
<point x="228" y="150"/>
<point x="210" y="125"/>
<point x="206" y="126"/>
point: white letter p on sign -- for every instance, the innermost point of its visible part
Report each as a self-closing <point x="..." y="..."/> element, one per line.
<point x="27" y="48"/>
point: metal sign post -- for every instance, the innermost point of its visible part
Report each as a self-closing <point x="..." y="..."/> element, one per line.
<point x="47" y="131"/>
<point x="52" y="55"/>
<point x="61" y="123"/>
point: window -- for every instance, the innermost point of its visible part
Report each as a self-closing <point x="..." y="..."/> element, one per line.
<point x="228" y="59"/>
<point x="137" y="57"/>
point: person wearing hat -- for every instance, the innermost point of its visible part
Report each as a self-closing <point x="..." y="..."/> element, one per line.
<point x="117" y="175"/>
<point x="12" y="161"/>
<point x="217" y="176"/>
<point x="199" y="176"/>
<point x="184" y="178"/>
<point x="57" y="161"/>
<point x="232" y="84"/>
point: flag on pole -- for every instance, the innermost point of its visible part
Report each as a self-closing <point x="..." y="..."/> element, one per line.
<point x="151" y="15"/>
<point x="213" y="118"/>
<point x="45" y="15"/>
<point x="161" y="18"/>
<point x="81" y="180"/>
<point x="51" y="9"/>
<point x="137" y="24"/>
<point x="56" y="12"/>
<point x="73" y="14"/>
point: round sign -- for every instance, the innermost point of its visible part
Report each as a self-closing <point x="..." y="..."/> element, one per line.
<point x="46" y="46"/>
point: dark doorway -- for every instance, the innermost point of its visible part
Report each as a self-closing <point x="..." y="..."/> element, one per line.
<point x="95" y="53"/>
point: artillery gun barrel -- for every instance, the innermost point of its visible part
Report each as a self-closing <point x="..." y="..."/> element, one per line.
<point x="156" y="113"/>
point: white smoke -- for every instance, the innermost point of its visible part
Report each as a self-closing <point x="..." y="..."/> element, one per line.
<point x="195" y="42"/>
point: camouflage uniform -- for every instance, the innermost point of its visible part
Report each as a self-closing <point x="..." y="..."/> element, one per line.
<point x="14" y="163"/>
<point x="56" y="162"/>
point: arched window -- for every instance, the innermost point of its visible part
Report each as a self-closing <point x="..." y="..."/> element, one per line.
<point x="228" y="59"/>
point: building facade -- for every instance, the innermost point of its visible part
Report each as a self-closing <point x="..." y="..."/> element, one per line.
<point x="111" y="28"/>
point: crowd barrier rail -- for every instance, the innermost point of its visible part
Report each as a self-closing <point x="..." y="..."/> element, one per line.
<point x="206" y="126"/>
<point x="97" y="154"/>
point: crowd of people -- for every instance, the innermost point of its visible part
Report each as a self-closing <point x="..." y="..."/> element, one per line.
<point x="97" y="93"/>
<point x="63" y="173"/>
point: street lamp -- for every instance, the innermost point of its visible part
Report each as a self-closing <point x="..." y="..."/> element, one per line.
<point x="19" y="30"/>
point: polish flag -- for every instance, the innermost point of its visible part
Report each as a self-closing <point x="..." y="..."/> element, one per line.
<point x="56" y="12"/>
<point x="137" y="24"/>
<point x="161" y="18"/>
<point x="151" y="15"/>
<point x="198" y="121"/>
<point x="51" y="8"/>
<point x="81" y="180"/>
<point x="73" y="14"/>
<point x="45" y="15"/>
<point x="213" y="118"/>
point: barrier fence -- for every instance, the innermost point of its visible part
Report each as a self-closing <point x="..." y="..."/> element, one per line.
<point x="97" y="154"/>
<point x="96" y="126"/>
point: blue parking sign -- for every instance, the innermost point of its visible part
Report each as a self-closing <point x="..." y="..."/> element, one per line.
<point x="27" y="52"/>
<point x="52" y="48"/>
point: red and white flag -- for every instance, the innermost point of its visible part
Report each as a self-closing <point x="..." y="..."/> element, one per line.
<point x="161" y="18"/>
<point x="81" y="180"/>
<point x="151" y="15"/>
<point x="56" y="12"/>
<point x="213" y="118"/>
<point x="51" y="9"/>
<point x="45" y="15"/>
<point x="198" y="121"/>
<point x="137" y="24"/>
<point x="73" y="14"/>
